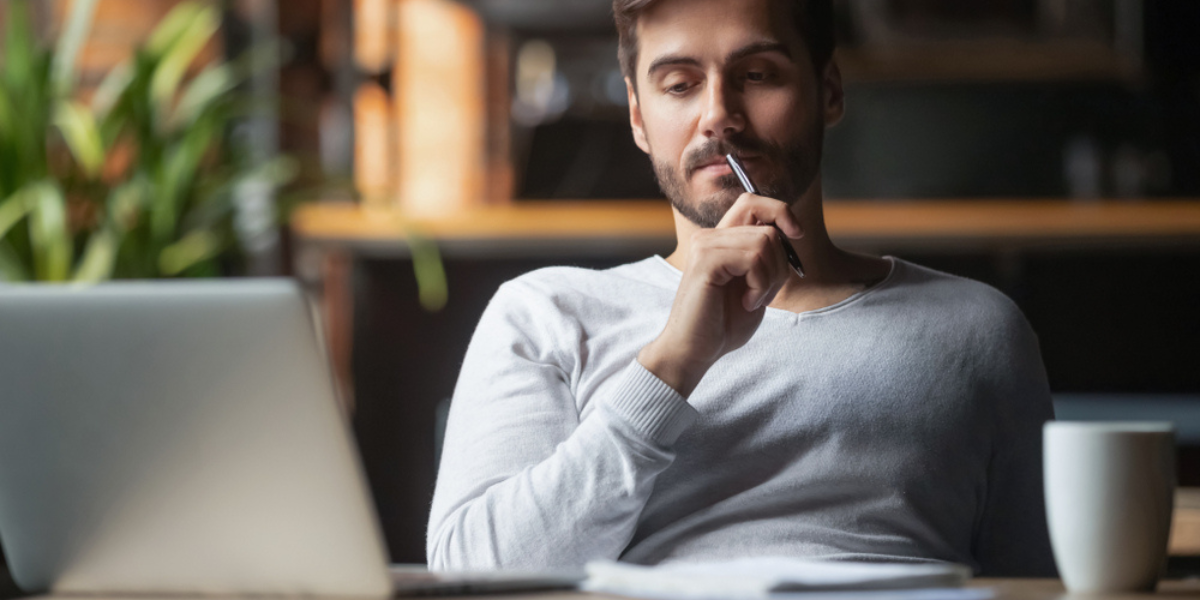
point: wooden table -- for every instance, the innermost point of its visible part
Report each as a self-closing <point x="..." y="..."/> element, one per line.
<point x="1049" y="589"/>
<point x="1005" y="589"/>
<point x="1185" y="524"/>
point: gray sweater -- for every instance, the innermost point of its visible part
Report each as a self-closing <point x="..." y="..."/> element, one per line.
<point x="901" y="424"/>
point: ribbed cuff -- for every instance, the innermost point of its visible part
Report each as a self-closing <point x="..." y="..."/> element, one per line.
<point x="651" y="407"/>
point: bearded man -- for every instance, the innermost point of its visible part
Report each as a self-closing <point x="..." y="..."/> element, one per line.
<point x="715" y="404"/>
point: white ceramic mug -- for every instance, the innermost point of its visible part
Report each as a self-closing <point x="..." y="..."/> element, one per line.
<point x="1110" y="490"/>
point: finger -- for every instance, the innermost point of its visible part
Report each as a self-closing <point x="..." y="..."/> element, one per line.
<point x="759" y="284"/>
<point x="751" y="253"/>
<point x="774" y="273"/>
<point x="752" y="209"/>
<point x="747" y="210"/>
<point x="731" y="255"/>
<point x="747" y="236"/>
<point x="761" y="237"/>
<point x="764" y="237"/>
<point x="741" y="237"/>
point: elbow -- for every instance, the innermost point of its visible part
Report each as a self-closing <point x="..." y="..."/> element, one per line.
<point x="447" y="550"/>
<point x="438" y="553"/>
<point x="437" y="561"/>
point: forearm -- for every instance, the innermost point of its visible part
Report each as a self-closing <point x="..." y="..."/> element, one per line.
<point x="679" y="372"/>
<point x="580" y="503"/>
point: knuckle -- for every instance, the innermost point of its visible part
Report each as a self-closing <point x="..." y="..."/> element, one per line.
<point x="765" y="238"/>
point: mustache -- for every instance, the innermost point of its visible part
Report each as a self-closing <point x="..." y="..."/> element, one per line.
<point x="719" y="148"/>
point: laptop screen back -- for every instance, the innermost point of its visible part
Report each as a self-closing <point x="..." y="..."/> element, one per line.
<point x="177" y="437"/>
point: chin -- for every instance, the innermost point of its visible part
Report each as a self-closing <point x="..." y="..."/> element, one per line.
<point x="708" y="211"/>
<point x="720" y="201"/>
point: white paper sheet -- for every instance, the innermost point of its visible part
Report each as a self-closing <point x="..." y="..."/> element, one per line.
<point x="761" y="577"/>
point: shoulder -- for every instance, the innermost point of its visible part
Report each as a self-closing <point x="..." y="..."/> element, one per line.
<point x="549" y="315"/>
<point x="974" y="309"/>
<point x="954" y="296"/>
<point x="980" y="324"/>
<point x="568" y="289"/>
<point x="578" y="299"/>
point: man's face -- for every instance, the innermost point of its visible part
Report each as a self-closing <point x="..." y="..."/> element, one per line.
<point x="720" y="76"/>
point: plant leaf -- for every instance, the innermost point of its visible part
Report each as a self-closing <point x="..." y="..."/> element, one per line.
<point x="178" y="55"/>
<point x="11" y="268"/>
<point x="171" y="27"/>
<point x="179" y="167"/>
<point x="98" y="258"/>
<point x="13" y="209"/>
<point x="125" y="204"/>
<point x="26" y="81"/>
<point x="429" y="272"/>
<point x="109" y="92"/>
<point x="48" y="232"/>
<point x="18" y="45"/>
<point x="211" y="84"/>
<point x="78" y="126"/>
<point x="79" y="22"/>
<point x="195" y="247"/>
<point x="6" y="116"/>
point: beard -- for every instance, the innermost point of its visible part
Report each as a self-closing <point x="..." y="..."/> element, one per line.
<point x="797" y="165"/>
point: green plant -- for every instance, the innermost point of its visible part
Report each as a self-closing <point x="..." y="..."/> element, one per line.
<point x="139" y="182"/>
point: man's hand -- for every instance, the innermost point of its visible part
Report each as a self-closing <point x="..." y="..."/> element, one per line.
<point x="733" y="272"/>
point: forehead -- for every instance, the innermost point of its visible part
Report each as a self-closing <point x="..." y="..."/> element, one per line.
<point x="709" y="29"/>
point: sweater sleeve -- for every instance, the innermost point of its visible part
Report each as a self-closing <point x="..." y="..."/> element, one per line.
<point x="1013" y="538"/>
<point x="525" y="482"/>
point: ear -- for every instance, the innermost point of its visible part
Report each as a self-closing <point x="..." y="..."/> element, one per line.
<point x="635" y="118"/>
<point x="834" y="96"/>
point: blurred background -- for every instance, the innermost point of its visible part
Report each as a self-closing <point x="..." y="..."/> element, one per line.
<point x="405" y="157"/>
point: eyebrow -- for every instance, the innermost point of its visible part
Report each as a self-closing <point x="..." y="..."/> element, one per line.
<point x="758" y="48"/>
<point x="747" y="50"/>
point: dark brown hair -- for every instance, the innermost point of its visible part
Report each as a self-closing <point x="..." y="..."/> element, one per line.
<point x="812" y="19"/>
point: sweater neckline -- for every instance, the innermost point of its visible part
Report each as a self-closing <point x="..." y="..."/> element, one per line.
<point x="893" y="269"/>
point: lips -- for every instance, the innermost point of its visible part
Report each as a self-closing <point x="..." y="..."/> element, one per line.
<point x="715" y="165"/>
<point x="716" y="169"/>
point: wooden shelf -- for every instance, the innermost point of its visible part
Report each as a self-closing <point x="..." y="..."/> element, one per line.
<point x="957" y="224"/>
<point x="1016" y="222"/>
<point x="350" y="222"/>
<point x="987" y="60"/>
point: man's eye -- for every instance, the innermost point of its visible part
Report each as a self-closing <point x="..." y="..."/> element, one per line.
<point x="678" y="88"/>
<point x="756" y="76"/>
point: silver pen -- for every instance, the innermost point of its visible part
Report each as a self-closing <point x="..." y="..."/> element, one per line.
<point x="792" y="258"/>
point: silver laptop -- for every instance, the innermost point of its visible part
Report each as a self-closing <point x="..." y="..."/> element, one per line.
<point x="183" y="437"/>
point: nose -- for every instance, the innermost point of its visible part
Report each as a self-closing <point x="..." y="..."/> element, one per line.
<point x="723" y="115"/>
